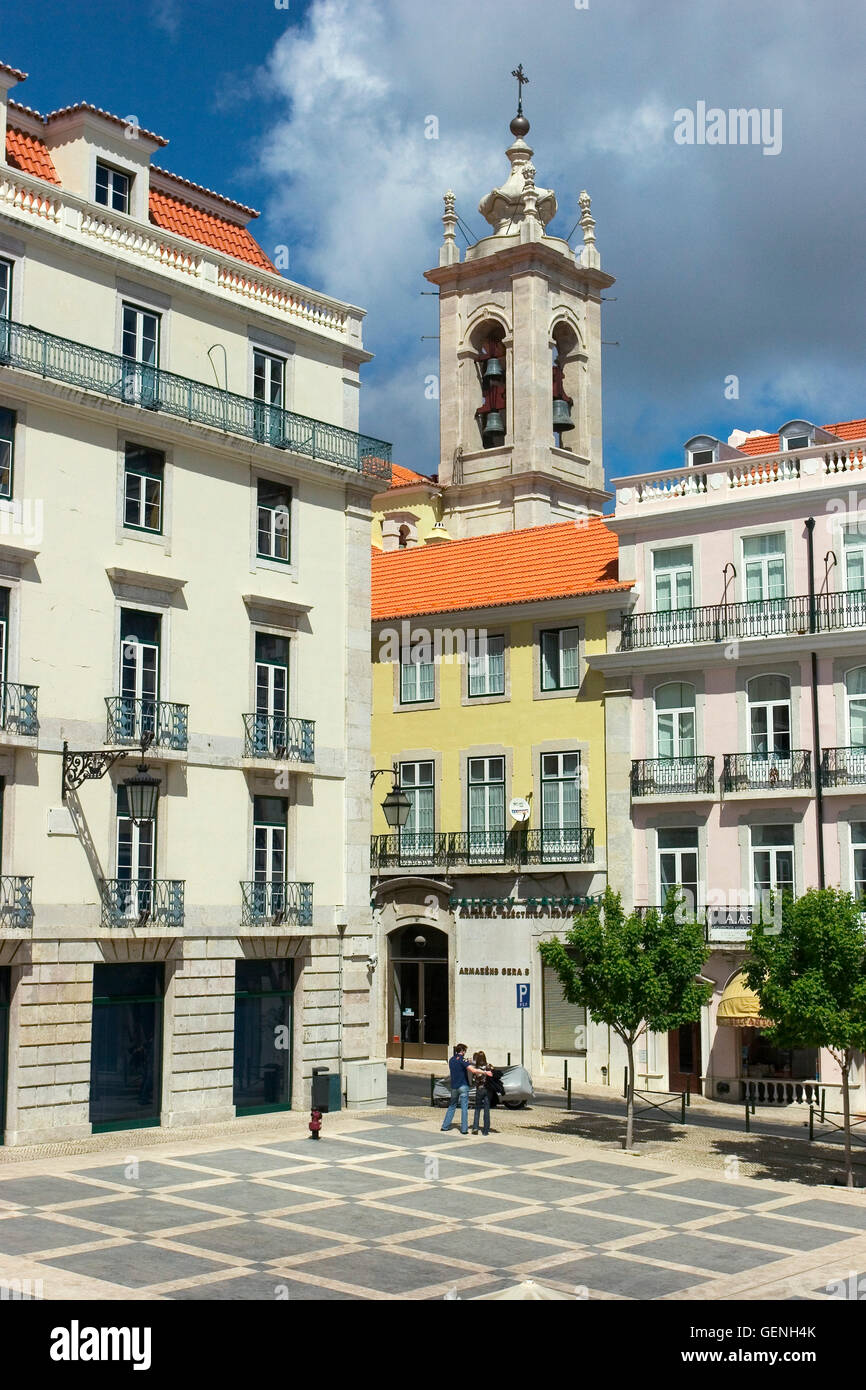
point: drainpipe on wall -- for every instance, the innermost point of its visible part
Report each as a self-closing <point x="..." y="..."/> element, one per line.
<point x="816" y="737"/>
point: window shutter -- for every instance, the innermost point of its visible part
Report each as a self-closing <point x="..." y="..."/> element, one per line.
<point x="561" y="1019"/>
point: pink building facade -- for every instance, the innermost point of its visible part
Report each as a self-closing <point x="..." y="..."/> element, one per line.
<point x="736" y="713"/>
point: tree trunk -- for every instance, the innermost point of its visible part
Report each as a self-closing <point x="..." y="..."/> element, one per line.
<point x="629" y="1104"/>
<point x="846" y="1120"/>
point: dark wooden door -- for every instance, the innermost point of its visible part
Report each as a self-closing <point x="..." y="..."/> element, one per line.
<point x="684" y="1058"/>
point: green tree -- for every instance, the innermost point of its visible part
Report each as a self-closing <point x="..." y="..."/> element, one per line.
<point x="810" y="975"/>
<point x="633" y="971"/>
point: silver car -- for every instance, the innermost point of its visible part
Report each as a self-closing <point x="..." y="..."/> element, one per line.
<point x="516" y="1082"/>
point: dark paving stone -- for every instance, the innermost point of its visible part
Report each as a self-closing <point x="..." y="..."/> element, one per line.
<point x="139" y="1215"/>
<point x="406" y="1138"/>
<point x="252" y="1197"/>
<point x="704" y="1253"/>
<point x="149" y="1175"/>
<point x="344" y="1182"/>
<point x="257" y="1242"/>
<point x="383" y="1270"/>
<point x="263" y="1288"/>
<point x="833" y="1213"/>
<point x="529" y="1186"/>
<point x="725" y="1194"/>
<point x="245" y="1161"/>
<point x="645" y="1206"/>
<point x="488" y="1151"/>
<point x="25" y="1235"/>
<point x="607" y="1274"/>
<point x="453" y="1202"/>
<point x="588" y="1170"/>
<point x="562" y="1224"/>
<point x="790" y="1235"/>
<point x="135" y="1265"/>
<point x="416" y="1165"/>
<point x="484" y="1248"/>
<point x="42" y="1192"/>
<point x="362" y="1222"/>
<point x="334" y="1150"/>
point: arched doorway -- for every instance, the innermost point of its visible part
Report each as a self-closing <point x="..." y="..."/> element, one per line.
<point x="418" y="992"/>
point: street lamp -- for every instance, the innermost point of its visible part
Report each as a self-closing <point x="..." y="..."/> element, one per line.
<point x="142" y="793"/>
<point x="396" y="807"/>
<point x="142" y="790"/>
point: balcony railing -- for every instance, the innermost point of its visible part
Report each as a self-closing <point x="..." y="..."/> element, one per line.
<point x="843" y="767"/>
<point x="672" y="776"/>
<point x="129" y="720"/>
<point x="280" y="737"/>
<point x="483" y="848"/>
<point x="18" y="709"/>
<point x="724" y="924"/>
<point x="142" y="902"/>
<point x="721" y="622"/>
<point x="277" y="903"/>
<point x="16" y="901"/>
<point x="742" y="772"/>
<point x="134" y="383"/>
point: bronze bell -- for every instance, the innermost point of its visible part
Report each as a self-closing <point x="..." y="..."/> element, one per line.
<point x="562" y="416"/>
<point x="494" y="423"/>
<point x="493" y="369"/>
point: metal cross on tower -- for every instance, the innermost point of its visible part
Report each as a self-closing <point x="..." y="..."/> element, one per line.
<point x="522" y="80"/>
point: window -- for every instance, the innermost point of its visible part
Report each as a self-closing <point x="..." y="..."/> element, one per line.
<point x="855" y="559"/>
<point x="4" y="632"/>
<point x="564" y="1023"/>
<point x="769" y="700"/>
<point x="136" y="861"/>
<point x="560" y="663"/>
<point x="273" y="524"/>
<point x="142" y="488"/>
<point x="5" y="289"/>
<point x="764" y="566"/>
<point x="486" y="804"/>
<point x="487" y="665"/>
<point x="139" y="673"/>
<point x="560" y="801"/>
<point x="855" y="694"/>
<point x="272" y="694"/>
<point x="7" y="449"/>
<point x="678" y="865"/>
<point x="417" y="676"/>
<point x="772" y="859"/>
<point x="796" y="441"/>
<point x="673" y="579"/>
<point x="112" y="187"/>
<point x="270" y="820"/>
<point x="416" y="836"/>
<point x="140" y="348"/>
<point x="269" y="376"/>
<point x="858" y="851"/>
<point x="700" y="458"/>
<point x="675" y="720"/>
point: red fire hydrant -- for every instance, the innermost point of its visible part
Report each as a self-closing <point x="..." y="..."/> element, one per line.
<point x="315" y="1123"/>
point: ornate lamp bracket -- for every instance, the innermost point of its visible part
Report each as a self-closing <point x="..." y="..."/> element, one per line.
<point x="80" y="767"/>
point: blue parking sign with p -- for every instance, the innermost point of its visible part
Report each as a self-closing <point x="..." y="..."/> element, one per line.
<point x="522" y="996"/>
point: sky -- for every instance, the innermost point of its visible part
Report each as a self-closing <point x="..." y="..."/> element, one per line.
<point x="730" y="262"/>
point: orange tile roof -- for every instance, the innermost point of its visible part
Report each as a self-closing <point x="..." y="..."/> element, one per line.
<point x="542" y="562"/>
<point x="769" y="443"/>
<point x="106" y="116"/>
<point x="176" y="215"/>
<point x="406" y="477"/>
<point x="14" y="72"/>
<point x="29" y="154"/>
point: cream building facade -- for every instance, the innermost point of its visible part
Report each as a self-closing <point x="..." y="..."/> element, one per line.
<point x="185" y="506"/>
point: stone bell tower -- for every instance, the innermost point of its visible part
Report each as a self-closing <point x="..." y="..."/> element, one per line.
<point x="519" y="360"/>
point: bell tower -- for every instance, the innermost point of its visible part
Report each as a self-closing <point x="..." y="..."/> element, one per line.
<point x="519" y="359"/>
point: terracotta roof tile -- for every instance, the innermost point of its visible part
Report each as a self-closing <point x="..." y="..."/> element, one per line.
<point x="14" y="72"/>
<point x="176" y="215"/>
<point x="769" y="443"/>
<point x="29" y="154"/>
<point x="106" y="116"/>
<point x="406" y="477"/>
<point x="542" y="562"/>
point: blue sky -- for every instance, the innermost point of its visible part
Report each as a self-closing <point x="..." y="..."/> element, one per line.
<point x="728" y="261"/>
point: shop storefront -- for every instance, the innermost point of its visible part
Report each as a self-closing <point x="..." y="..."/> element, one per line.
<point x="4" y="1043"/>
<point x="418" y="1010"/>
<point x="126" y="1048"/>
<point x="263" y="1036"/>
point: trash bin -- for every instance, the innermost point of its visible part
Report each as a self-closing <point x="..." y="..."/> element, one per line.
<point x="326" y="1090"/>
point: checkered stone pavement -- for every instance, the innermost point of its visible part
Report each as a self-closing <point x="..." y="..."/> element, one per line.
<point x="388" y="1207"/>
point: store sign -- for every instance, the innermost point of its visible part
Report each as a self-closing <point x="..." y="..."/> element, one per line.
<point x="493" y="970"/>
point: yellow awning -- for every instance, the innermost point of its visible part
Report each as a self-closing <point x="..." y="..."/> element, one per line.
<point x="740" y="1007"/>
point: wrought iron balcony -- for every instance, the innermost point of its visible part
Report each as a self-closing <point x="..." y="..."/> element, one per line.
<point x="280" y="737"/>
<point x="723" y="923"/>
<point x="277" y="903"/>
<point x="843" y="767"/>
<point x="484" y="848"/>
<point x="721" y="622"/>
<point x="16" y="901"/>
<point x="134" y="383"/>
<point x="129" y="720"/>
<point x="142" y="902"/>
<point x="18" y="709"/>
<point x="672" y="776"/>
<point x="767" y="772"/>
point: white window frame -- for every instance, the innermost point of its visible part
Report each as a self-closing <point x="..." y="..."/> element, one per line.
<point x="418" y="775"/>
<point x="676" y="713"/>
<point x="678" y="851"/>
<point x="762" y="563"/>
<point x="278" y="524"/>
<point x="858" y="847"/>
<point x="768" y="707"/>
<point x="144" y="501"/>
<point x="114" y="175"/>
<point x="673" y="571"/>
<point x="483" y="677"/>
<point x="489" y="782"/>
<point x="773" y="851"/>
<point x="573" y="644"/>
<point x="415" y="678"/>
<point x="7" y="272"/>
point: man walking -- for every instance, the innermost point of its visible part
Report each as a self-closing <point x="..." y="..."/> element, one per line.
<point x="459" y="1069"/>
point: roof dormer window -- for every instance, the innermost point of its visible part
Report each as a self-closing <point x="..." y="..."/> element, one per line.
<point x="797" y="434"/>
<point x="701" y="451"/>
<point x="113" y="187"/>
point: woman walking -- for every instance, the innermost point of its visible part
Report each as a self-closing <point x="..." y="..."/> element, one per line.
<point x="482" y="1093"/>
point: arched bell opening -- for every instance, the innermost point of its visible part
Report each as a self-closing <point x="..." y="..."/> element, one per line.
<point x="490" y="361"/>
<point x="565" y="348"/>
